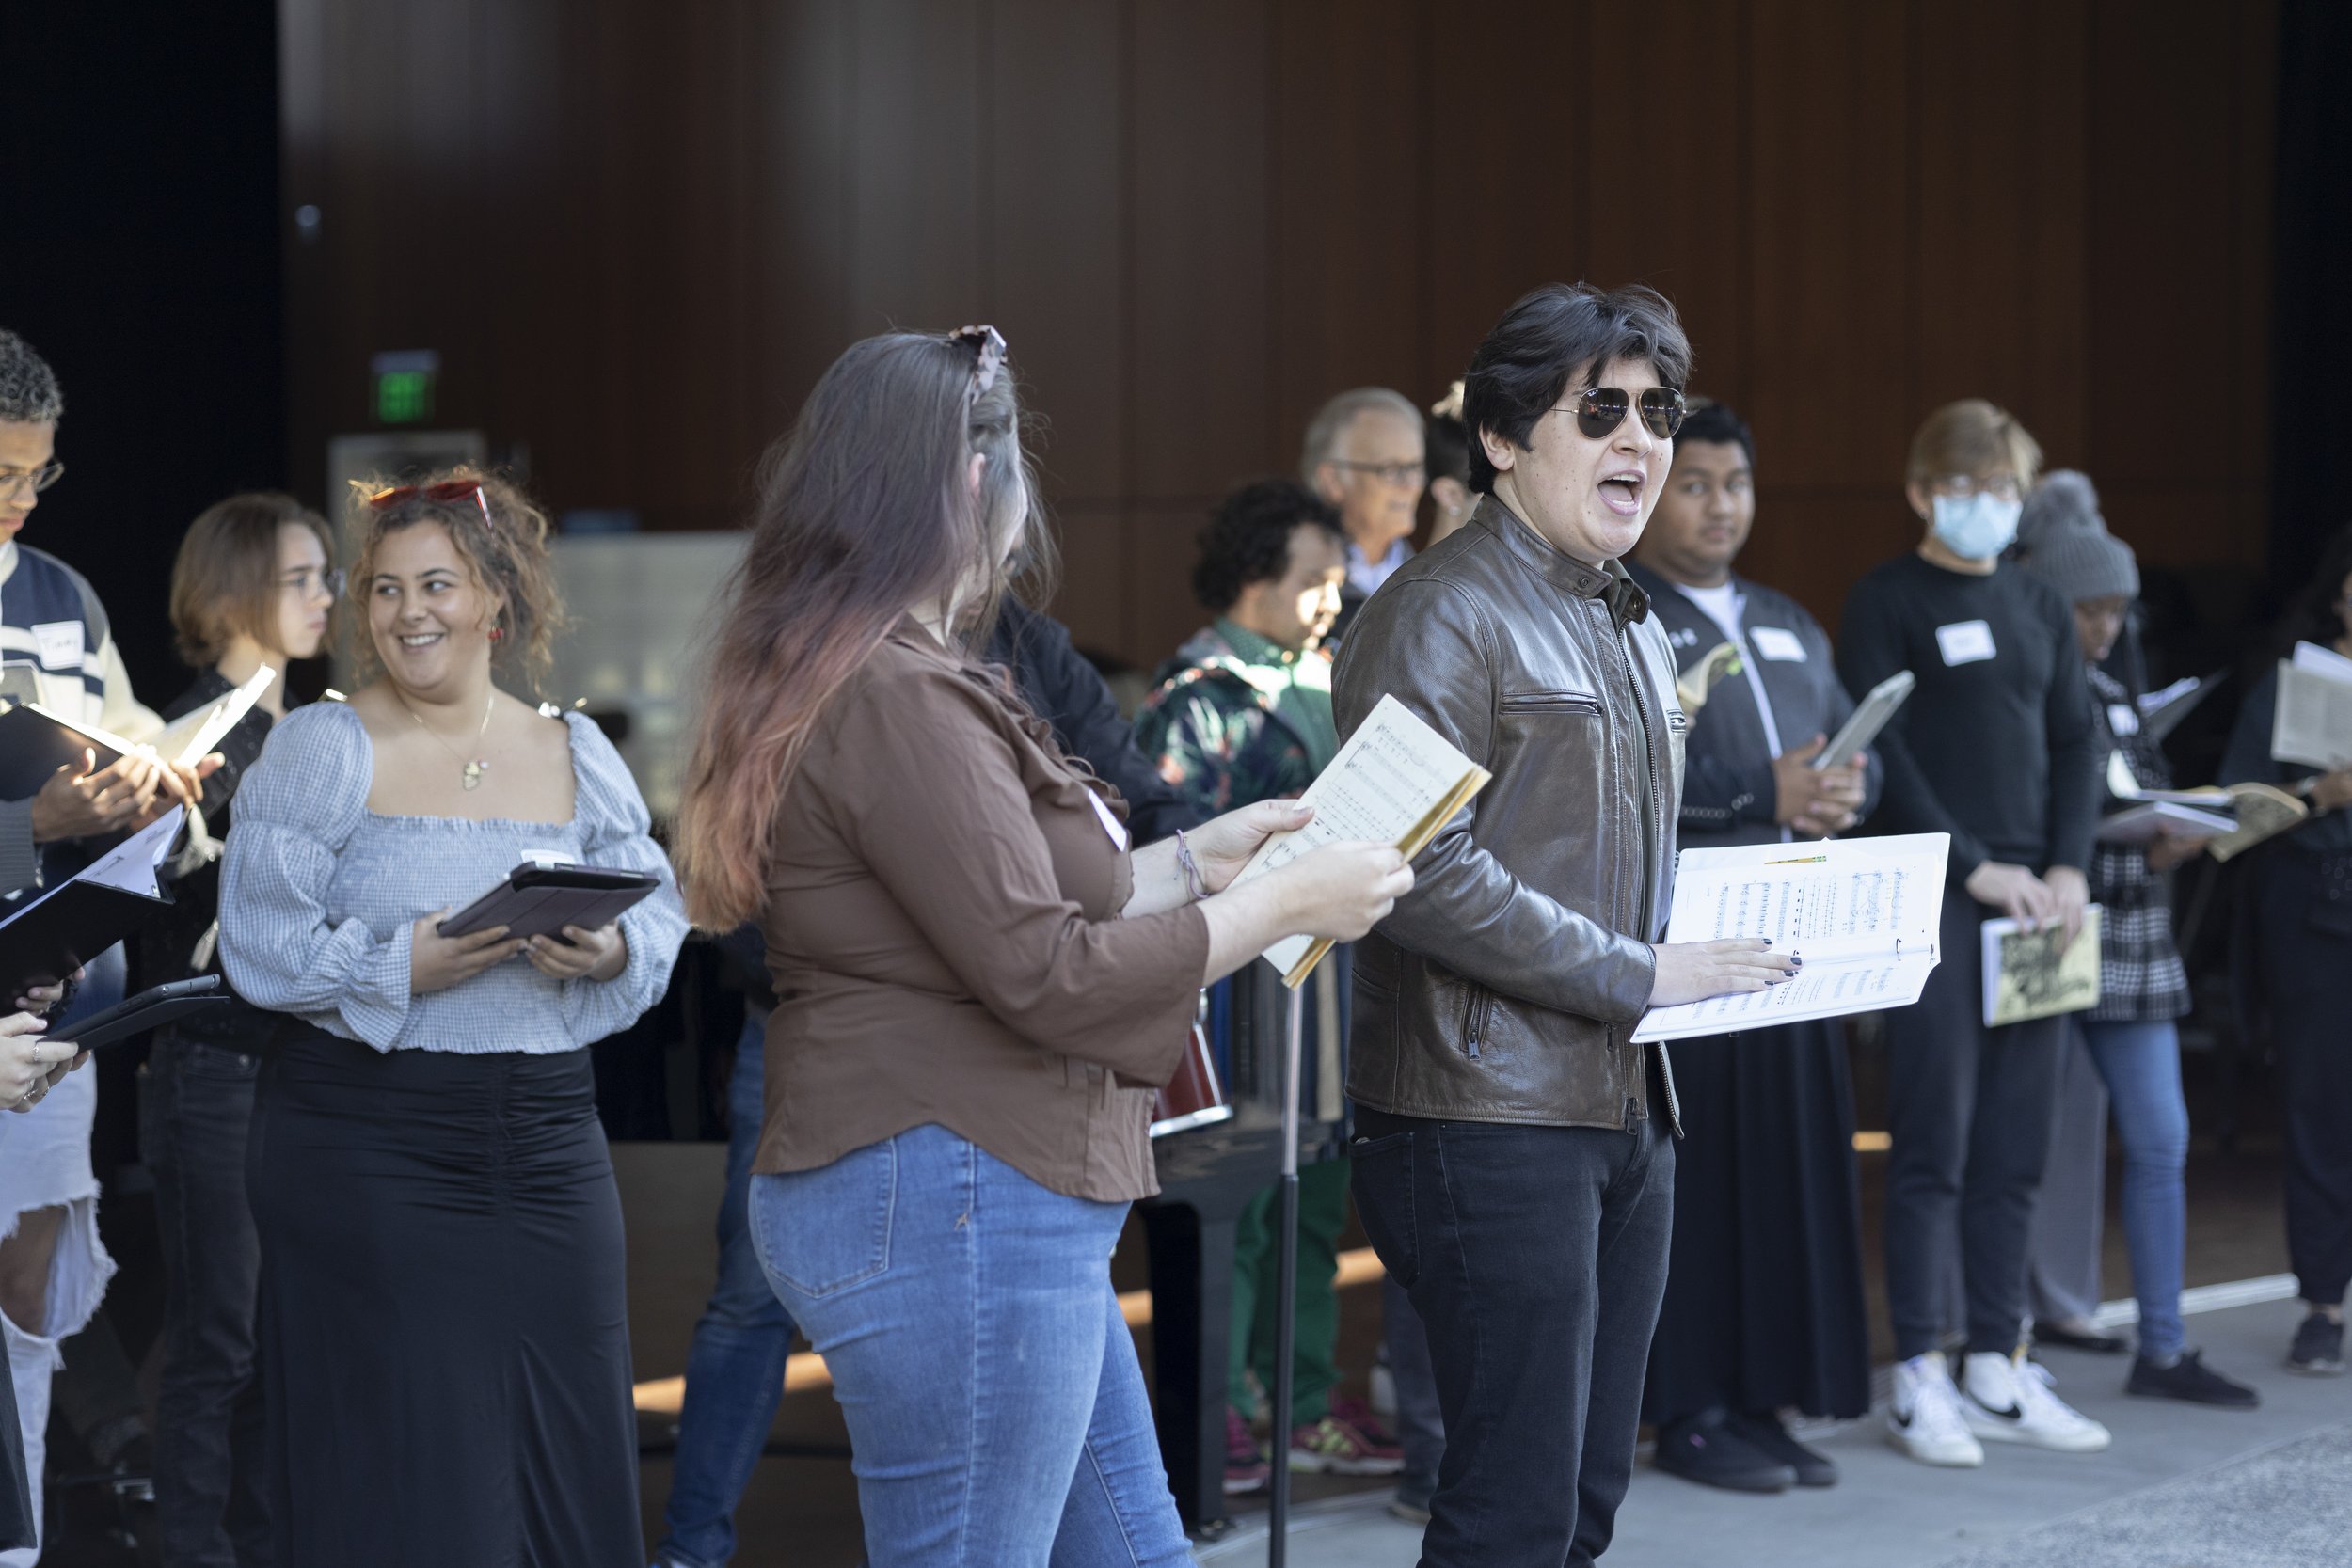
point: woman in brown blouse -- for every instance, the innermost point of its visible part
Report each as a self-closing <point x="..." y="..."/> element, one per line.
<point x="979" y="983"/>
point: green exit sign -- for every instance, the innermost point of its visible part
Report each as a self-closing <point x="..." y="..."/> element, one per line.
<point x="404" y="384"/>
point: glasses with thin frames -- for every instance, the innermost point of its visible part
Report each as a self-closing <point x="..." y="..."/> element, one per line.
<point x="1398" y="474"/>
<point x="1960" y="487"/>
<point x="32" y="481"/>
<point x="988" y="356"/>
<point x="448" y="491"/>
<point x="307" y="580"/>
<point x="1599" y="410"/>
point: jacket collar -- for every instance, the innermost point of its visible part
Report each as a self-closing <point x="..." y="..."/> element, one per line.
<point x="1608" y="582"/>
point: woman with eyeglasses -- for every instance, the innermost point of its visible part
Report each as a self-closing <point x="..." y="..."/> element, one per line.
<point x="2294" y="955"/>
<point x="252" y="588"/>
<point x="978" y="983"/>
<point x="444" y="1344"/>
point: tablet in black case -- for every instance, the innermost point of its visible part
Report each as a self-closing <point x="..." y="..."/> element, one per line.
<point x="540" y="901"/>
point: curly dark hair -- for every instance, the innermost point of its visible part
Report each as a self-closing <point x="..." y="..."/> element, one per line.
<point x="503" y="539"/>
<point x="1249" y="539"/>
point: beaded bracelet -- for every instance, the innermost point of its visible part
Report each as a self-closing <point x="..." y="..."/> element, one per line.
<point x="1190" y="867"/>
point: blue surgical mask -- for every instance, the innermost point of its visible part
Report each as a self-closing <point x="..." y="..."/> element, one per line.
<point x="1977" y="527"/>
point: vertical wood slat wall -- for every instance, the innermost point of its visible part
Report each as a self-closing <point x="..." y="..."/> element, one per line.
<point x="637" y="234"/>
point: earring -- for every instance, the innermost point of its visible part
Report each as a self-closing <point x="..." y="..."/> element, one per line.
<point x="497" y="634"/>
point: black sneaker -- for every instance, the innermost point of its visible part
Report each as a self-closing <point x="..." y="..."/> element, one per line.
<point x="2191" y="1381"/>
<point x="1705" y="1449"/>
<point x="1770" y="1437"/>
<point x="2318" y="1349"/>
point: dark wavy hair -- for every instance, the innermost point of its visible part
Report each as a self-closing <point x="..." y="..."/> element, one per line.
<point x="1249" y="538"/>
<point x="1521" y="370"/>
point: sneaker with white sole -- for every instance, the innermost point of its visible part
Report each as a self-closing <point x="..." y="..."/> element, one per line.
<point x="1924" y="1419"/>
<point x="2010" y="1400"/>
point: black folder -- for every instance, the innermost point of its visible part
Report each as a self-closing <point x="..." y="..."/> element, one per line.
<point x="48" y="935"/>
<point x="34" y="745"/>
<point x="540" y="901"/>
<point x="148" y="1011"/>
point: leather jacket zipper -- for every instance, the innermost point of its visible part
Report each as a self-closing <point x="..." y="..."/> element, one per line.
<point x="1652" y="831"/>
<point x="1479" y="1006"/>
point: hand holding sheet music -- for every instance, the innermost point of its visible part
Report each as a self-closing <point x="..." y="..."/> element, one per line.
<point x="1396" y="781"/>
<point x="1862" y="914"/>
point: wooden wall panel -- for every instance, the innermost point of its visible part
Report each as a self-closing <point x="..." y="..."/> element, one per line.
<point x="1999" y="192"/>
<point x="638" y="234"/>
<point x="1503" y="214"/>
<point x="1831" y="297"/>
<point x="1057" y="230"/>
<point x="1204" y="264"/>
<point x="1347" y="191"/>
<point x="1663" y="167"/>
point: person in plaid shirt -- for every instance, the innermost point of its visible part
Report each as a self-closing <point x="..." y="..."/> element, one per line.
<point x="2132" y="1035"/>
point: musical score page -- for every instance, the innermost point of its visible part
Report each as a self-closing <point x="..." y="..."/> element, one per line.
<point x="1396" y="781"/>
<point x="1863" y="913"/>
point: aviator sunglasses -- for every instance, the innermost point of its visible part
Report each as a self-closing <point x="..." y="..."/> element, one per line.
<point x="1599" y="410"/>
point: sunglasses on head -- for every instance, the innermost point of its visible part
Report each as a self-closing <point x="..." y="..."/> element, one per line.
<point x="987" y="353"/>
<point x="447" y="491"/>
<point x="1599" y="410"/>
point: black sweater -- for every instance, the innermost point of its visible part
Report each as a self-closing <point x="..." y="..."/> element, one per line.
<point x="1996" y="749"/>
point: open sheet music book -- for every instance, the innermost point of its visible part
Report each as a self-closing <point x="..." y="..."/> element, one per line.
<point x="36" y="742"/>
<point x="1863" y="913"/>
<point x="1396" y="781"/>
<point x="2312" y="724"/>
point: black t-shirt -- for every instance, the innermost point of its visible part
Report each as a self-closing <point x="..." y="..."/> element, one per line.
<point x="1994" y="745"/>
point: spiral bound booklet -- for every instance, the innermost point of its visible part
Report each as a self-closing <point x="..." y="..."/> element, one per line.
<point x="1863" y="913"/>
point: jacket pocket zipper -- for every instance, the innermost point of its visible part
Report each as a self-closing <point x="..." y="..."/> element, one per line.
<point x="1480" y="1004"/>
<point x="1549" y="702"/>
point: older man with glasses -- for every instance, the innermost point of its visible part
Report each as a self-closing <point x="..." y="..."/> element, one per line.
<point x="1364" y="453"/>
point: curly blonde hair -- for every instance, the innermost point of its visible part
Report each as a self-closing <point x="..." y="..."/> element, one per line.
<point x="503" y="539"/>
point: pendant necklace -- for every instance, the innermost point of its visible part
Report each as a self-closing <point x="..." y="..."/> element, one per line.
<point x="478" y="765"/>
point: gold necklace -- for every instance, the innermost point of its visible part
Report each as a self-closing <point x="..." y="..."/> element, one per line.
<point x="479" y="766"/>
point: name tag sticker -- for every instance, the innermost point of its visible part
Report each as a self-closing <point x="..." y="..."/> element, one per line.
<point x="2123" y="718"/>
<point x="1964" y="641"/>
<point x="1111" y="824"/>
<point x="60" y="645"/>
<point x="1778" y="643"/>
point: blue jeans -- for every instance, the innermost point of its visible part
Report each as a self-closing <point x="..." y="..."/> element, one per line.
<point x="995" y="1407"/>
<point x="2142" y="1064"/>
<point x="735" y="1370"/>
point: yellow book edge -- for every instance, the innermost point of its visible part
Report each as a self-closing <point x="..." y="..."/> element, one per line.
<point x="1415" y="840"/>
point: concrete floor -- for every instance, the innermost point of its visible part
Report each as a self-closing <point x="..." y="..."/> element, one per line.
<point x="1890" y="1512"/>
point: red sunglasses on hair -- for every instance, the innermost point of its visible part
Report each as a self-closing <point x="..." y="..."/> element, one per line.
<point x="447" y="491"/>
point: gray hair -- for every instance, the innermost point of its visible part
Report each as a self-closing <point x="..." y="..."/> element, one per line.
<point x="29" y="387"/>
<point x="1332" y="420"/>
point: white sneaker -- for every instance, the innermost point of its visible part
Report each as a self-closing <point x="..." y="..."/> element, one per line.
<point x="2008" y="1399"/>
<point x="1924" y="1417"/>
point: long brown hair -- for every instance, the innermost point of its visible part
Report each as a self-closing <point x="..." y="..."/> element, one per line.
<point x="864" y="513"/>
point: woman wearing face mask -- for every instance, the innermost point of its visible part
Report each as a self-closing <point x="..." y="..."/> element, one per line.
<point x="252" y="588"/>
<point x="444" y="1346"/>
<point x="1995" y="747"/>
<point x="978" y="981"/>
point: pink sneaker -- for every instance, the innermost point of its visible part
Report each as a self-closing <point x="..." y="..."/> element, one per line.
<point x="1246" y="1467"/>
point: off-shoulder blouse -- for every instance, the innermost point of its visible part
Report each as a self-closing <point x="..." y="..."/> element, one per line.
<point x="318" y="896"/>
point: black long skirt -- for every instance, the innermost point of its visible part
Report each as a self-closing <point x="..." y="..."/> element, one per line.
<point x="444" y="1333"/>
<point x="1764" y="1307"/>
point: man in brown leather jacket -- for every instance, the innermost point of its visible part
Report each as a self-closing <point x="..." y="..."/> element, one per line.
<point x="1513" y="1163"/>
